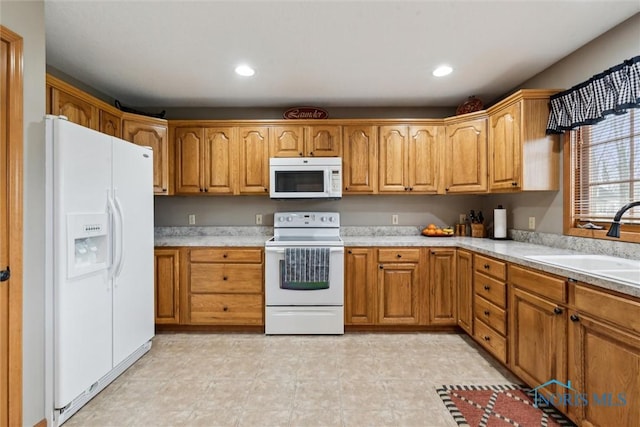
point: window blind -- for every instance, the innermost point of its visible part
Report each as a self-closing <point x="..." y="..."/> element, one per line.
<point x="606" y="168"/>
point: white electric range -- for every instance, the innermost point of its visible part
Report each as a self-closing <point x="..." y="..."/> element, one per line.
<point x="304" y="274"/>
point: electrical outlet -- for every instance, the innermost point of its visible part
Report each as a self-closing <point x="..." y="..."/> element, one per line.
<point x="394" y="219"/>
<point x="532" y="223"/>
<point x="192" y="219"/>
<point x="258" y="219"/>
<point x="461" y="218"/>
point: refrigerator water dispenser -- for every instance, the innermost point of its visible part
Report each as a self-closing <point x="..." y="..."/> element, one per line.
<point x="88" y="243"/>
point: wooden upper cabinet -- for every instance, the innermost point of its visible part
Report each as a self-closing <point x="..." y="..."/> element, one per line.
<point x="408" y="159"/>
<point x="521" y="156"/>
<point x="74" y="108"/>
<point x="110" y="124"/>
<point x="466" y="154"/>
<point x="324" y="141"/>
<point x="306" y="141"/>
<point x="150" y="132"/>
<point x="359" y="160"/>
<point x="254" y="160"/>
<point x="188" y="165"/>
<point x="220" y="154"/>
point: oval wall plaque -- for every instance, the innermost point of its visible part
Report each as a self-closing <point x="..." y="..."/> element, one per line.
<point x="297" y="113"/>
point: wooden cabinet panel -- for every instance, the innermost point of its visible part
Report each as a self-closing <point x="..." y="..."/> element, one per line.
<point x="75" y="109"/>
<point x="490" y="314"/>
<point x="491" y="267"/>
<point x="398" y="255"/>
<point x="537" y="339"/>
<point x="622" y="311"/>
<point x="226" y="278"/>
<point x="551" y="287"/>
<point x="230" y="254"/>
<point x="504" y="148"/>
<point x="604" y="362"/>
<point x="494" y="342"/>
<point x="466" y="156"/>
<point x="226" y="309"/>
<point x="188" y="173"/>
<point x="167" y="288"/>
<point x="392" y="155"/>
<point x="442" y="285"/>
<point x="287" y="141"/>
<point x="324" y="141"/>
<point x="254" y="160"/>
<point x="490" y="289"/>
<point x="464" y="274"/>
<point x="422" y="160"/>
<point x="360" y="286"/>
<point x="149" y="133"/>
<point x="398" y="293"/>
<point x="220" y="152"/>
<point x="110" y="124"/>
<point x="360" y="164"/>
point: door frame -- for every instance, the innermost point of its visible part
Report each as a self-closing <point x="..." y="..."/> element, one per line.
<point x="14" y="129"/>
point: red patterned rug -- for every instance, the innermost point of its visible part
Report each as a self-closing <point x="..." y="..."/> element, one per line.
<point x="497" y="406"/>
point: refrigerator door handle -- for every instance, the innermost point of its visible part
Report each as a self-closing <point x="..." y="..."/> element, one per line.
<point x="112" y="235"/>
<point x="120" y="235"/>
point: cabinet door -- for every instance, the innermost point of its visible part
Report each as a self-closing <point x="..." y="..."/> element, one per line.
<point x="504" y="148"/>
<point x="464" y="279"/>
<point x="392" y="173"/>
<point x="442" y="285"/>
<point x="422" y="167"/>
<point x="110" y="124"/>
<point x="360" y="159"/>
<point x="537" y="339"/>
<point x="189" y="147"/>
<point x="324" y="141"/>
<point x="219" y="160"/>
<point x="398" y="293"/>
<point x="75" y="109"/>
<point x="167" y="289"/>
<point x="466" y="157"/>
<point x="254" y="160"/>
<point x="154" y="136"/>
<point x="360" y="286"/>
<point x="604" y="363"/>
<point x="287" y="141"/>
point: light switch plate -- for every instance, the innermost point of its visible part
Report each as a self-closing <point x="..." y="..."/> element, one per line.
<point x="258" y="219"/>
<point x="192" y="219"/>
<point x="532" y="223"/>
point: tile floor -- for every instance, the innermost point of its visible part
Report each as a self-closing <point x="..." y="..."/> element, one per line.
<point x="357" y="379"/>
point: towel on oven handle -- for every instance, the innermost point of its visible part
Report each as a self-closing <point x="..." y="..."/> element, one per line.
<point x="305" y="268"/>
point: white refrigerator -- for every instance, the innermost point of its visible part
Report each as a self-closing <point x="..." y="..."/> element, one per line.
<point x="99" y="287"/>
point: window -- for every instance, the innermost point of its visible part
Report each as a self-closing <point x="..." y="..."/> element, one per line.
<point x="604" y="173"/>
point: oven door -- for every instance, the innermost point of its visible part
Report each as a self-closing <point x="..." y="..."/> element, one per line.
<point x="278" y="293"/>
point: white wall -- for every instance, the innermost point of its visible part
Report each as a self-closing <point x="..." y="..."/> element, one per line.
<point x="620" y="43"/>
<point x="27" y="19"/>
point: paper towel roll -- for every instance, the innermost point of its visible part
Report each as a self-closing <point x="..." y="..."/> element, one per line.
<point x="499" y="223"/>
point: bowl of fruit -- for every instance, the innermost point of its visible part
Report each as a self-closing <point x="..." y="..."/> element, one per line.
<point x="433" y="230"/>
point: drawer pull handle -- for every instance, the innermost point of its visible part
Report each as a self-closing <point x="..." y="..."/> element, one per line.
<point x="349" y="251"/>
<point x="557" y="310"/>
<point x="574" y="318"/>
<point x="225" y="308"/>
<point x="486" y="312"/>
<point x="224" y="277"/>
<point x="399" y="256"/>
<point x="486" y="266"/>
<point x="224" y="255"/>
<point x="487" y="287"/>
<point x="487" y="338"/>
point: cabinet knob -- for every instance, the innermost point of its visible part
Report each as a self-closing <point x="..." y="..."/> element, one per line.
<point x="514" y="184"/>
<point x="224" y="255"/>
<point x="406" y="188"/>
<point x="487" y="338"/>
<point x="574" y="318"/>
<point x="225" y="308"/>
<point x="346" y="188"/>
<point x="486" y="266"/>
<point x="164" y="190"/>
<point x="410" y="188"/>
<point x="349" y="251"/>
<point x="557" y="310"/>
<point x="224" y="277"/>
<point x="487" y="287"/>
<point x="311" y="153"/>
<point x="206" y="190"/>
<point x="399" y="256"/>
<point x="265" y="189"/>
<point x="486" y="312"/>
<point x="380" y="266"/>
<point x="446" y="189"/>
<point x="201" y="190"/>
<point x="300" y="153"/>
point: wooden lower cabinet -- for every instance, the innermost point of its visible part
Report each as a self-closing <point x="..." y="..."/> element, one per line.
<point x="464" y="283"/>
<point x="360" y="286"/>
<point x="225" y="286"/>
<point x="442" y="286"/>
<point x="167" y="285"/>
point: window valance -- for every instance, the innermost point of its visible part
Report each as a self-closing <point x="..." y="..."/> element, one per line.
<point x="610" y="92"/>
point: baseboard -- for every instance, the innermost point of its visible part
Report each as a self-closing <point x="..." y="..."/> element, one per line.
<point x="41" y="423"/>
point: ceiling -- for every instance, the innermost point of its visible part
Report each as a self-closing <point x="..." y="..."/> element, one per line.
<point x="324" y="53"/>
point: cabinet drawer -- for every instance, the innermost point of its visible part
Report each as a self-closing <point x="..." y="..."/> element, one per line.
<point x="230" y="309"/>
<point x="495" y="343"/>
<point x="490" y="289"/>
<point x="398" y="255"/>
<point x="226" y="255"/>
<point x="490" y="314"/>
<point x="622" y="311"/>
<point x="491" y="267"/>
<point x="540" y="283"/>
<point x="238" y="278"/>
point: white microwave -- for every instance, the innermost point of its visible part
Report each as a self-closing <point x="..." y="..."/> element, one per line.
<point x="305" y="178"/>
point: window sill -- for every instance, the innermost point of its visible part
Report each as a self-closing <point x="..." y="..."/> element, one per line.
<point x="625" y="236"/>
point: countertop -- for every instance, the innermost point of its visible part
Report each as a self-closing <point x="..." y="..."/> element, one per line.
<point x="507" y="250"/>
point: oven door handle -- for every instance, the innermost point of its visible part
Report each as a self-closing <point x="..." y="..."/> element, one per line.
<point x="281" y="250"/>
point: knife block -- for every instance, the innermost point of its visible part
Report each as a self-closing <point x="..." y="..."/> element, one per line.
<point x="478" y="230"/>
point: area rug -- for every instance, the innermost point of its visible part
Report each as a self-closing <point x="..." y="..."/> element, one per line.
<point x="497" y="406"/>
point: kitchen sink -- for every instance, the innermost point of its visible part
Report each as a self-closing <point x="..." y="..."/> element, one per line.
<point x="620" y="269"/>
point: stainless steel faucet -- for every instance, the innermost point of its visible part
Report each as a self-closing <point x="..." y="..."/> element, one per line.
<point x="614" y="230"/>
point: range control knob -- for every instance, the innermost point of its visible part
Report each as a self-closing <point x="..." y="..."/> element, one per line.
<point x="323" y="218"/>
<point x="331" y="219"/>
<point x="289" y="219"/>
<point x="281" y="219"/>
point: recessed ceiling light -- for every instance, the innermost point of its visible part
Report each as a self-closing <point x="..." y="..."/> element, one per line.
<point x="245" y="70"/>
<point x="442" y="70"/>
